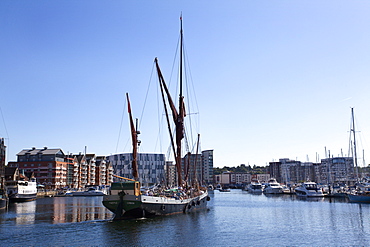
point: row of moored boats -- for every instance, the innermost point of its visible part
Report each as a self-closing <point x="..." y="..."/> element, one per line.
<point x="360" y="193"/>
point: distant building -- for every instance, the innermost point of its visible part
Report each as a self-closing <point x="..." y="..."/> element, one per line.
<point x="91" y="168"/>
<point x="70" y="165"/>
<point x="171" y="175"/>
<point x="263" y="177"/>
<point x="239" y="179"/>
<point x="151" y="167"/>
<point x="207" y="166"/>
<point x="204" y="167"/>
<point x="337" y="170"/>
<point x="223" y="179"/>
<point x="192" y="168"/>
<point x="330" y="170"/>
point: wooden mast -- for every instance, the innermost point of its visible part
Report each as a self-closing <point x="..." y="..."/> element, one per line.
<point x="180" y="119"/>
<point x="134" y="134"/>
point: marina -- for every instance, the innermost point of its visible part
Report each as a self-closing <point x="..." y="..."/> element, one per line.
<point x="237" y="218"/>
<point x="272" y="169"/>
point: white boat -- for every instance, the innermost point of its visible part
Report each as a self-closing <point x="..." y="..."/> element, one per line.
<point x="255" y="187"/>
<point x="91" y="191"/>
<point x="21" y="190"/>
<point x="218" y="187"/>
<point x="309" y="189"/>
<point x="273" y="187"/>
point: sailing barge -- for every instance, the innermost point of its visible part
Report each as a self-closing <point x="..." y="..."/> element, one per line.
<point x="126" y="200"/>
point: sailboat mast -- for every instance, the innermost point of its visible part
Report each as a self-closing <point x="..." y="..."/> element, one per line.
<point x="196" y="163"/>
<point x="134" y="135"/>
<point x="181" y="50"/>
<point x="354" y="141"/>
<point x="180" y="118"/>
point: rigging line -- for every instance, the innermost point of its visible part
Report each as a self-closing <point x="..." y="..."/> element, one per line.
<point x="160" y="120"/>
<point x="350" y="150"/>
<point x="359" y="138"/>
<point x="191" y="92"/>
<point x="187" y="94"/>
<point x="146" y="96"/>
<point x="120" y="127"/>
<point x="174" y="63"/>
<point x="358" y="127"/>
<point x="192" y="87"/>
<point x="2" y="116"/>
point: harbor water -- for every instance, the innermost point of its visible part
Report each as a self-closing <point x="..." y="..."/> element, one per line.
<point x="234" y="218"/>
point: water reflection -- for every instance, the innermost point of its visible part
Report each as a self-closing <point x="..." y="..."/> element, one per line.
<point x="25" y="212"/>
<point x="58" y="210"/>
<point x="233" y="219"/>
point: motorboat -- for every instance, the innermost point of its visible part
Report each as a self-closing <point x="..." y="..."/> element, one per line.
<point x="91" y="191"/>
<point x="309" y="189"/>
<point x="273" y="187"/>
<point x="218" y="187"/>
<point x="225" y="190"/>
<point x="337" y="191"/>
<point x="255" y="187"/>
<point x="287" y="190"/>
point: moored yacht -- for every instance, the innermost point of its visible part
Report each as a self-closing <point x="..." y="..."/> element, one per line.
<point x="359" y="196"/>
<point x="255" y="187"/>
<point x="309" y="189"/>
<point x="273" y="187"/>
<point x="91" y="191"/>
<point x="21" y="190"/>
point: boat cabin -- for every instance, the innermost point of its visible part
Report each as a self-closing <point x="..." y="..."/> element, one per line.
<point x="129" y="187"/>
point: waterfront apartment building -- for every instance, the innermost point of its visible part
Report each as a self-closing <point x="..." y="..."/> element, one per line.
<point x="192" y="168"/>
<point x="207" y="166"/>
<point x="53" y="169"/>
<point x="337" y="170"/>
<point x="48" y="165"/>
<point x="151" y="167"/>
<point x="103" y="172"/>
<point x="239" y="179"/>
<point x="330" y="170"/>
<point x="204" y="167"/>
<point x="291" y="171"/>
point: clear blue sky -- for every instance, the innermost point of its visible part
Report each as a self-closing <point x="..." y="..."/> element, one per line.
<point x="274" y="79"/>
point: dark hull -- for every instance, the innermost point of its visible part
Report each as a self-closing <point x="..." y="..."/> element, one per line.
<point x="22" y="198"/>
<point x="3" y="203"/>
<point x="359" y="198"/>
<point x="146" y="209"/>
